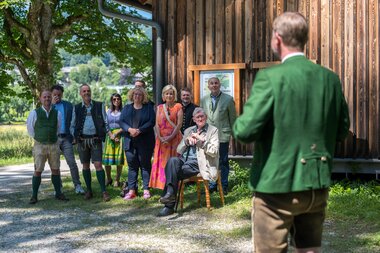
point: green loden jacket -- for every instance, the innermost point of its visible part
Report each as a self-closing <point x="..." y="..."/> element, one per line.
<point x="223" y="117"/>
<point x="295" y="114"/>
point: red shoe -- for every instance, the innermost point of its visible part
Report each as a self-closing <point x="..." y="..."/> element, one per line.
<point x="129" y="196"/>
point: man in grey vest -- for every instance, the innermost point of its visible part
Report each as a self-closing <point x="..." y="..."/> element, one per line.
<point x="89" y="128"/>
<point x="43" y="124"/>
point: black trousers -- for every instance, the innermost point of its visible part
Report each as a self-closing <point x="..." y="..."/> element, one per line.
<point x="177" y="169"/>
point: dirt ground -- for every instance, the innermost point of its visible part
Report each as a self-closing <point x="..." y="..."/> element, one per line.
<point x="79" y="226"/>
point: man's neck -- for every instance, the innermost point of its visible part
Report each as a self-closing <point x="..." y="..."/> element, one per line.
<point x="185" y="104"/>
<point x="87" y="102"/>
<point x="215" y="94"/>
<point x="46" y="109"/>
<point x="285" y="51"/>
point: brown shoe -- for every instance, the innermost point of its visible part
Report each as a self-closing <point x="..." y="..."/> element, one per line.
<point x="106" y="197"/>
<point x="61" y="197"/>
<point x="88" y="195"/>
<point x="33" y="200"/>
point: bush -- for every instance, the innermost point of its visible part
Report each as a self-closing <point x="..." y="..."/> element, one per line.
<point x="239" y="179"/>
<point x="359" y="200"/>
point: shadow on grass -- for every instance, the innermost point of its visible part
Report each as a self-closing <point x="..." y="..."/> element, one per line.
<point x="115" y="226"/>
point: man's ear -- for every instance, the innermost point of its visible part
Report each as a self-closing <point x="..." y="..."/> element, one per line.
<point x="278" y="38"/>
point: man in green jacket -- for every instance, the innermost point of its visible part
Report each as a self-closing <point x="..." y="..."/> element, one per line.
<point x="295" y="114"/>
<point x="221" y="113"/>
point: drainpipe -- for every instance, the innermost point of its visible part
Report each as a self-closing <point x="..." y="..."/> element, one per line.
<point x="153" y="24"/>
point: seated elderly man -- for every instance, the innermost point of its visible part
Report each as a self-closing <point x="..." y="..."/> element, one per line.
<point x="199" y="151"/>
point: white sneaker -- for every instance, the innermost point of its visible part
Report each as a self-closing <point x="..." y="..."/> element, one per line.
<point x="79" y="189"/>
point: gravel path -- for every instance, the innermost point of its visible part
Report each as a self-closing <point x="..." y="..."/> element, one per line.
<point x="116" y="226"/>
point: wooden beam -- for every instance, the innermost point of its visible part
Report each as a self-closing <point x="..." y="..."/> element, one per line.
<point x="218" y="66"/>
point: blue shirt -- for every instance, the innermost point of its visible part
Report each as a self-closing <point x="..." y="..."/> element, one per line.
<point x="59" y="107"/>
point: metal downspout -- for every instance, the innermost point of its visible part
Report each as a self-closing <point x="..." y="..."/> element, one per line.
<point x="153" y="24"/>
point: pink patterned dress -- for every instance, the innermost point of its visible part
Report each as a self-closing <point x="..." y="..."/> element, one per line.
<point x="163" y="151"/>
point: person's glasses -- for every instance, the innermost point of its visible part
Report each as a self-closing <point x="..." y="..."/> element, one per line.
<point x="116" y="99"/>
<point x="137" y="94"/>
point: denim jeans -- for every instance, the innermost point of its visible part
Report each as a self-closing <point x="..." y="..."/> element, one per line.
<point x="138" y="157"/>
<point x="223" y="166"/>
<point x="68" y="152"/>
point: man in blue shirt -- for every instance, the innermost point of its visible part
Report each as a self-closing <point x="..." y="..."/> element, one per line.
<point x="65" y="139"/>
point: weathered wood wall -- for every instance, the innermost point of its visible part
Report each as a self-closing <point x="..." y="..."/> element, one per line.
<point x="344" y="36"/>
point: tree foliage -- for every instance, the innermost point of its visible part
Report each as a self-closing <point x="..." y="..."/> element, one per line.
<point x="33" y="32"/>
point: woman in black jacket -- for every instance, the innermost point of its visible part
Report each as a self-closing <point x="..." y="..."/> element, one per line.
<point x="137" y="121"/>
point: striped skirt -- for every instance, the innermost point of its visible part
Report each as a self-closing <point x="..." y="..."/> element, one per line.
<point x="113" y="153"/>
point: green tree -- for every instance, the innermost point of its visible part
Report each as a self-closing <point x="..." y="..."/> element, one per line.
<point x="34" y="30"/>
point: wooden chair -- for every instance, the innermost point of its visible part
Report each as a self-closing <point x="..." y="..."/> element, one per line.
<point x="198" y="179"/>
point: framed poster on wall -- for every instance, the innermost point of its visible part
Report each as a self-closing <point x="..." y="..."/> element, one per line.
<point x="226" y="78"/>
<point x="228" y="74"/>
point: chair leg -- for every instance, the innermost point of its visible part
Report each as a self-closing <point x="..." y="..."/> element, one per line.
<point x="208" y="204"/>
<point x="219" y="181"/>
<point x="181" y="194"/>
<point x="199" y="192"/>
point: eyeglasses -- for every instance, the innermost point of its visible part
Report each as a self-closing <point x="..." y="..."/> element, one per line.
<point x="137" y="94"/>
<point x="116" y="99"/>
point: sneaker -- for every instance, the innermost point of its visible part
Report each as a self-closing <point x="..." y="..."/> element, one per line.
<point x="88" y="195"/>
<point x="33" y="200"/>
<point x="61" y="197"/>
<point x="106" y="197"/>
<point x="129" y="196"/>
<point x="147" y="195"/>
<point x="79" y="189"/>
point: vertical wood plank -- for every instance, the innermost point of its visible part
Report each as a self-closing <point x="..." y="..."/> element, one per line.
<point x="362" y="83"/>
<point x="172" y="47"/>
<point x="219" y="32"/>
<point x="180" y="74"/>
<point x="325" y="34"/>
<point x="229" y="30"/>
<point x="337" y="31"/>
<point x="239" y="31"/>
<point x="374" y="77"/>
<point x="210" y="32"/>
<point x="268" y="29"/>
<point x="291" y="5"/>
<point x="349" y="82"/>
<point x="314" y="38"/>
<point x="249" y="38"/>
<point x="199" y="28"/>
<point x="190" y="39"/>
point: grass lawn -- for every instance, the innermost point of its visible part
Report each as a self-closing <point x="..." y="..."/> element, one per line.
<point x="352" y="222"/>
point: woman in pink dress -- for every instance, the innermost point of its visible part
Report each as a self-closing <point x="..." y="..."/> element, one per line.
<point x="169" y="116"/>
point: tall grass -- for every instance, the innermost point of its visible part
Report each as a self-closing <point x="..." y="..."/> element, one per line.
<point x="15" y="144"/>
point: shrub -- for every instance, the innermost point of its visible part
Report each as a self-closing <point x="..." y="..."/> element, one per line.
<point x="239" y="179"/>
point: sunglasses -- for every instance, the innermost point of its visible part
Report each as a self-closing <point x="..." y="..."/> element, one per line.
<point x="116" y="99"/>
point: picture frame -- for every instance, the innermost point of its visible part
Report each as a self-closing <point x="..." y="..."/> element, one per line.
<point x="228" y="74"/>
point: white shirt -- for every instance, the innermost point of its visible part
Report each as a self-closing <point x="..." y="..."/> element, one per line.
<point x="32" y="118"/>
<point x="291" y="55"/>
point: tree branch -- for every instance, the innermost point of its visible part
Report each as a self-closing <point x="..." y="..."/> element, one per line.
<point x="66" y="26"/>
<point x="21" y="68"/>
<point x="13" y="22"/>
<point x="13" y="44"/>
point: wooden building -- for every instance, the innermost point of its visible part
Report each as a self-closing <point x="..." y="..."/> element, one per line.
<point x="344" y="36"/>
